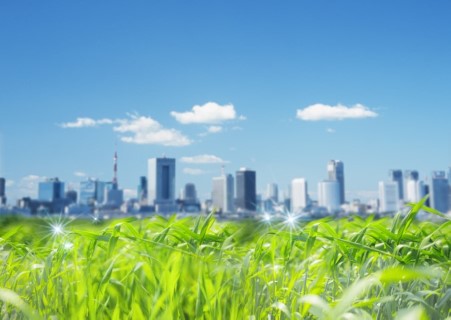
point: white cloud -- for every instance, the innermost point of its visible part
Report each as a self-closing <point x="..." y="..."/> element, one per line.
<point x="202" y="159"/>
<point x="209" y="113"/>
<point x="9" y="183"/>
<point x="28" y="186"/>
<point x="330" y="130"/>
<point x="130" y="194"/>
<point x="317" y="112"/>
<point x="136" y="129"/>
<point x="80" y="174"/>
<point x="193" y="171"/>
<point x="211" y="130"/>
<point x="145" y="130"/>
<point x="86" y="122"/>
<point x="242" y="118"/>
<point x="214" y="129"/>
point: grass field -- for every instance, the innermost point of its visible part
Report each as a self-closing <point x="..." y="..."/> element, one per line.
<point x="201" y="269"/>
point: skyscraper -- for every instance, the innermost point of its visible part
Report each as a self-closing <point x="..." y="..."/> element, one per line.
<point x="113" y="196"/>
<point x="412" y="175"/>
<point x="2" y="187"/>
<point x="161" y="184"/>
<point x="335" y="170"/>
<point x="190" y="193"/>
<point x="92" y="192"/>
<point x="51" y="190"/>
<point x="142" y="190"/>
<point x="329" y="195"/>
<point x="246" y="190"/>
<point x="272" y="192"/>
<point x="439" y="191"/>
<point x="71" y="196"/>
<point x="2" y="191"/>
<point x="299" y="197"/>
<point x="88" y="192"/>
<point x="414" y="190"/>
<point x="389" y="196"/>
<point x="409" y="175"/>
<point x="396" y="176"/>
<point x="222" y="193"/>
<point x="287" y="198"/>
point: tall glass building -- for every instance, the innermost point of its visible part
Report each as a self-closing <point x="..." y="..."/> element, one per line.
<point x="388" y="196"/>
<point x="222" y="193"/>
<point x="412" y="175"/>
<point x="2" y="191"/>
<point x="414" y="189"/>
<point x="189" y="194"/>
<point x="299" y="197"/>
<point x="439" y="191"/>
<point x="396" y="176"/>
<point x="246" y="190"/>
<point x="92" y="192"/>
<point x="142" y="190"/>
<point x="161" y="184"/>
<point x="2" y="187"/>
<point x="329" y="195"/>
<point x="87" y="192"/>
<point x="51" y="190"/>
<point x="272" y="192"/>
<point x="336" y="172"/>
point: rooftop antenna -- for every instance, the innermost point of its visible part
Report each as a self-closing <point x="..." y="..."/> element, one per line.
<point x="223" y="170"/>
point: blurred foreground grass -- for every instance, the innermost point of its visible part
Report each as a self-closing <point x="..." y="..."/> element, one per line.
<point x="201" y="269"/>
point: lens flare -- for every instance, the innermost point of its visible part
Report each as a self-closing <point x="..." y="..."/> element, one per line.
<point x="291" y="220"/>
<point x="57" y="229"/>
<point x="68" y="245"/>
<point x="56" y="226"/>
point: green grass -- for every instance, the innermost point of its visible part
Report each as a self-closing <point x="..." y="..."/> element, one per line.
<point x="201" y="269"/>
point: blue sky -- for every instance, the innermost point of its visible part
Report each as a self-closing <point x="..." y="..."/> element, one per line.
<point x="133" y="64"/>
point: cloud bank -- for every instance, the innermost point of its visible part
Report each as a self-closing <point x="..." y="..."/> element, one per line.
<point x="86" y="122"/>
<point x="145" y="130"/>
<point x="214" y="129"/>
<point x="202" y="159"/>
<point x="209" y="113"/>
<point x="318" y="112"/>
<point x="135" y="129"/>
<point x="193" y="171"/>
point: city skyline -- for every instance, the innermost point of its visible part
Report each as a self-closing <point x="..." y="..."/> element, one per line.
<point x="409" y="175"/>
<point x="303" y="84"/>
<point x="162" y="184"/>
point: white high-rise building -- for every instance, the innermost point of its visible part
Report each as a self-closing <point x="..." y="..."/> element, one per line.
<point x="222" y="193"/>
<point x="329" y="195"/>
<point x="388" y="196"/>
<point x="299" y="197"/>
<point x="414" y="190"/>
<point x="272" y="192"/>
<point x="161" y="184"/>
